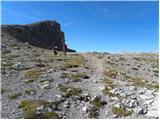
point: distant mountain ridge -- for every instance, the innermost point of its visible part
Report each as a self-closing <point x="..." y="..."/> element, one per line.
<point x="44" y="34"/>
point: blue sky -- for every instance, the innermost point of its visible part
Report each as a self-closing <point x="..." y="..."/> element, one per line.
<point x="94" y="26"/>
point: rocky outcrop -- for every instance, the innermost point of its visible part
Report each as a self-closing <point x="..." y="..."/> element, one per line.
<point x="45" y="34"/>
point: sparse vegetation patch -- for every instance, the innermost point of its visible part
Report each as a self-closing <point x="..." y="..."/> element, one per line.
<point x="136" y="81"/>
<point x="30" y="109"/>
<point x="111" y="73"/>
<point x="77" y="77"/>
<point x="14" y="96"/>
<point x="107" y="92"/>
<point x="122" y="112"/>
<point x="33" y="73"/>
<point x="29" y="91"/>
<point x="70" y="91"/>
<point x="77" y="61"/>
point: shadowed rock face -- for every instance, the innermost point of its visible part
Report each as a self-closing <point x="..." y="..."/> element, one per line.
<point x="45" y="34"/>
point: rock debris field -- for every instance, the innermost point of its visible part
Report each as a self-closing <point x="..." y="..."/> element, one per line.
<point x="35" y="83"/>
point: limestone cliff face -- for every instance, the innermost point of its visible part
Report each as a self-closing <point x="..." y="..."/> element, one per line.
<point x="45" y="34"/>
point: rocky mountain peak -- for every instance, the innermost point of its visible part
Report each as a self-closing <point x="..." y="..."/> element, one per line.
<point x="44" y="34"/>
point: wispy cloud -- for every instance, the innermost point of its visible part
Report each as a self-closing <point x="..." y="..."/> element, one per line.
<point x="18" y="15"/>
<point x="72" y="23"/>
<point x="34" y="12"/>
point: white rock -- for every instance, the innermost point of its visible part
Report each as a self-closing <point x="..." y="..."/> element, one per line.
<point x="115" y="116"/>
<point x="86" y="94"/>
<point x="86" y="108"/>
<point x="66" y="106"/>
<point x="113" y="91"/>
<point x="133" y="96"/>
<point x="101" y="88"/>
<point x="58" y="96"/>
<point x="123" y="95"/>
<point x="45" y="86"/>
<point x="141" y="91"/>
<point x="95" y="81"/>
<point x="114" y="98"/>
<point x="50" y="70"/>
<point x="107" y="112"/>
<point x="67" y="102"/>
<point x="152" y="114"/>
<point x="45" y="82"/>
<point x="147" y="97"/>
<point x="40" y="108"/>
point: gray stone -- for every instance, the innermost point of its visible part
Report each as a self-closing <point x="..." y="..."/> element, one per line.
<point x="19" y="65"/>
<point x="4" y="49"/>
<point x="62" y="115"/>
<point x="54" y="107"/>
<point x="148" y="102"/>
<point x="97" y="96"/>
<point x="140" y="110"/>
<point x="50" y="110"/>
<point x="40" y="65"/>
<point x="130" y="102"/>
<point x="86" y="97"/>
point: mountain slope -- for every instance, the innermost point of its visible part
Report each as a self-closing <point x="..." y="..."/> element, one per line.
<point x="38" y="84"/>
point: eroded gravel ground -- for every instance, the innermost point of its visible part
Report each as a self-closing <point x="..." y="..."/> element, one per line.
<point x="109" y="85"/>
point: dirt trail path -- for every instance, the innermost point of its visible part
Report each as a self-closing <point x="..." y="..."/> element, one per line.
<point x="97" y="65"/>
